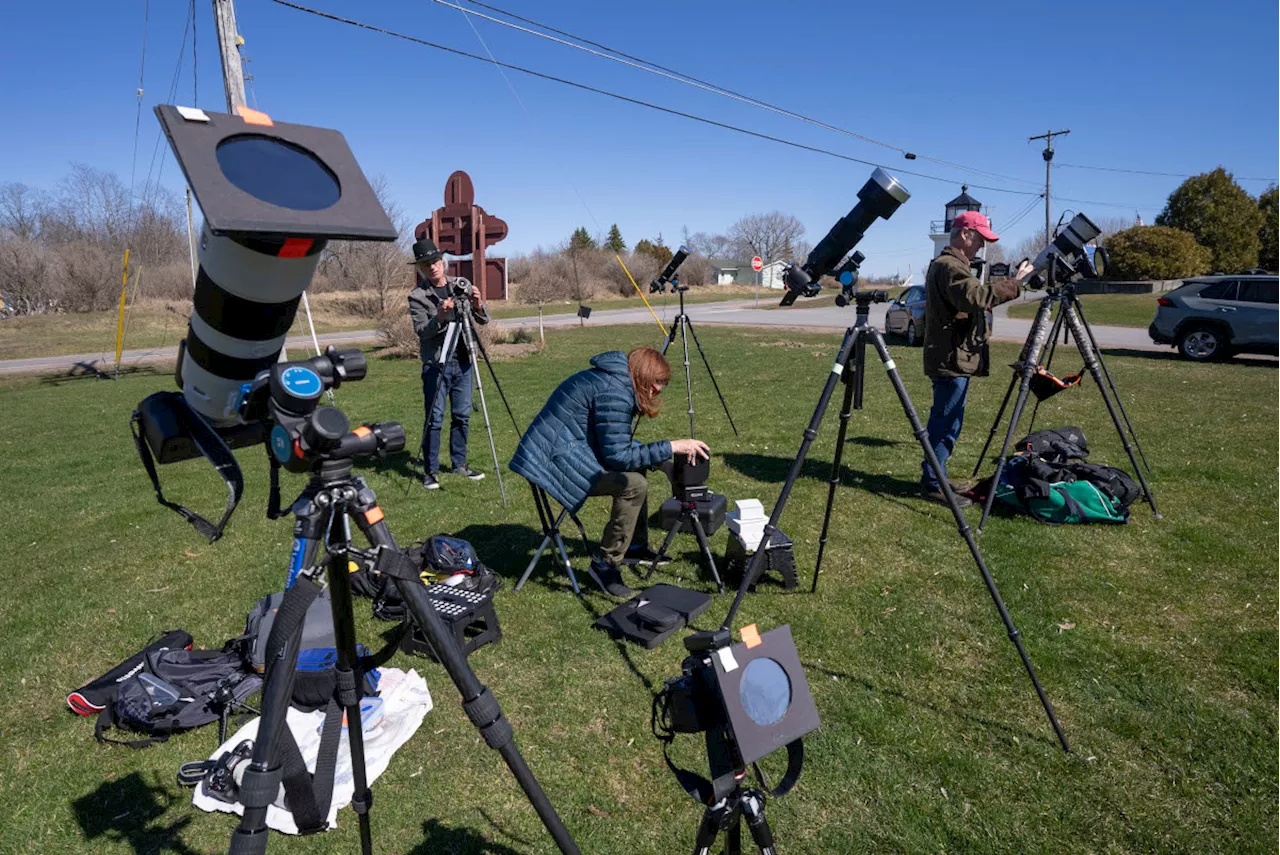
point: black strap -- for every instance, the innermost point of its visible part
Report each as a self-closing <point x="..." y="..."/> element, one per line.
<point x="309" y="796"/>
<point x="212" y="447"/>
<point x="709" y="792"/>
<point x="106" y="720"/>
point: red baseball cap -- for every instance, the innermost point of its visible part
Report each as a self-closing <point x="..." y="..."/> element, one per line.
<point x="977" y="222"/>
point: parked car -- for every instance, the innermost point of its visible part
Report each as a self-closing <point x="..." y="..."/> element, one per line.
<point x="905" y="316"/>
<point x="1212" y="317"/>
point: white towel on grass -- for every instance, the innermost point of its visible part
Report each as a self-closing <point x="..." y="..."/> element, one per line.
<point x="405" y="702"/>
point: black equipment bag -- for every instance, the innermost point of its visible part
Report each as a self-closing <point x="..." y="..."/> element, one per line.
<point x="175" y="417"/>
<point x="437" y="558"/>
<point x="177" y="690"/>
<point x="1057" y="445"/>
<point x="1046" y="385"/>
<point x="96" y="695"/>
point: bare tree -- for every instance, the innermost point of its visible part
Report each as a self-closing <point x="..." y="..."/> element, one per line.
<point x="546" y="279"/>
<point x="20" y="208"/>
<point x="770" y="236"/>
<point x="710" y="245"/>
<point x="377" y="269"/>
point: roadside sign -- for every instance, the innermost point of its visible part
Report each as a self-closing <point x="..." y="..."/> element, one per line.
<point x="757" y="264"/>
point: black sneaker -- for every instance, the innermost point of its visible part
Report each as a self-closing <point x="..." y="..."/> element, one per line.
<point x="644" y="555"/>
<point x="467" y="472"/>
<point x="609" y="578"/>
<point x="430" y="481"/>
<point x="936" y="496"/>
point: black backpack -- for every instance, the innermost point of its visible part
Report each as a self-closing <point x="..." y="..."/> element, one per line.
<point x="1057" y="445"/>
<point x="175" y="690"/>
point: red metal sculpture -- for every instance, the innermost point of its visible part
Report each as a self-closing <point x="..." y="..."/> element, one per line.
<point x="462" y="227"/>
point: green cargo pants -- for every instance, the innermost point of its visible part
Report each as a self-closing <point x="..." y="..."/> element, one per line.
<point x="629" y="519"/>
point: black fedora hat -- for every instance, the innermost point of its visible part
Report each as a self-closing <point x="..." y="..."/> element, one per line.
<point x="426" y="252"/>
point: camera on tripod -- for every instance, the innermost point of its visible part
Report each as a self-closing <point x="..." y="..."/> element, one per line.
<point x="879" y="197"/>
<point x="1066" y="259"/>
<point x="750" y="699"/>
<point x="272" y="195"/>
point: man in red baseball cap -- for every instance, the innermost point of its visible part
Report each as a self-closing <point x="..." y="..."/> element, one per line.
<point x="955" y="337"/>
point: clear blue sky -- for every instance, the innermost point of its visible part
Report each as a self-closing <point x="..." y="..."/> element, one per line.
<point x="1169" y="87"/>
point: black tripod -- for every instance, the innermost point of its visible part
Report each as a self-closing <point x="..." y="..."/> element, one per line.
<point x="689" y="517"/>
<point x="849" y="368"/>
<point x="727" y="815"/>
<point x="473" y="344"/>
<point x="332" y="498"/>
<point x="1071" y="313"/>
<point x="683" y="324"/>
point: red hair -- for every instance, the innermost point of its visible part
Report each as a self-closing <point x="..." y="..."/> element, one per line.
<point x="648" y="366"/>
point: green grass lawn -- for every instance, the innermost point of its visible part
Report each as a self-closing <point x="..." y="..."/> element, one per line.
<point x="1156" y="641"/>
<point x="1117" y="310"/>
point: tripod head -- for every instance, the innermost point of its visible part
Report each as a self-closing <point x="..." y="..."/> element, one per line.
<point x="302" y="436"/>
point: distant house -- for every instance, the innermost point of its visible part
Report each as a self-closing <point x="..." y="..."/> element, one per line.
<point x="728" y="271"/>
<point x="771" y="275"/>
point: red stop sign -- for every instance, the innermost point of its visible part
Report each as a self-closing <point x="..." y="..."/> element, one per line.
<point x="757" y="263"/>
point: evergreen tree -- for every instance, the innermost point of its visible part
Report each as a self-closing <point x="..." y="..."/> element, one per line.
<point x="656" y="251"/>
<point x="614" y="242"/>
<point x="581" y="239"/>
<point x="1220" y="215"/>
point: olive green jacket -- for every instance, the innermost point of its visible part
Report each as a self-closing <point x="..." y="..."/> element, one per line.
<point x="955" y="316"/>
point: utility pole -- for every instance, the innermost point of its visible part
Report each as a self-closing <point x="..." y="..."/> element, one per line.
<point x="1048" y="160"/>
<point x="224" y="13"/>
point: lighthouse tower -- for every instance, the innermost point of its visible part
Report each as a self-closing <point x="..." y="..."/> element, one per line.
<point x="940" y="230"/>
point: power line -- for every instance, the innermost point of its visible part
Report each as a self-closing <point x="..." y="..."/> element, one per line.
<point x="637" y="101"/>
<point x="137" y="119"/>
<point x="1148" y="172"/>
<point x="680" y="77"/>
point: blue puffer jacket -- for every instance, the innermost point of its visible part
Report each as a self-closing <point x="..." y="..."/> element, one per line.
<point x="584" y="429"/>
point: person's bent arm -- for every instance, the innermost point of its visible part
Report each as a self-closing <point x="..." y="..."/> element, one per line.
<point x="970" y="295"/>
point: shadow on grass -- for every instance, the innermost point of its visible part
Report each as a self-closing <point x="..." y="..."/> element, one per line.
<point x="945" y="711"/>
<point x="623" y="651"/>
<point x="103" y="371"/>
<point x="401" y="463"/>
<point x="498" y="546"/>
<point x="1252" y="360"/>
<point x="773" y="470"/>
<point x="128" y="811"/>
<point x="438" y="837"/>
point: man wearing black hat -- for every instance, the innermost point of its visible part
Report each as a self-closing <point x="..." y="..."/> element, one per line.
<point x="446" y="362"/>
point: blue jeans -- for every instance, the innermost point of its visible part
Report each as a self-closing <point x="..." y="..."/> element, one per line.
<point x="946" y="417"/>
<point x="450" y="381"/>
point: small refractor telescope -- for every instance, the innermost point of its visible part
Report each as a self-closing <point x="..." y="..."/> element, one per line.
<point x="668" y="274"/>
<point x="879" y="197"/>
<point x="1066" y="259"/>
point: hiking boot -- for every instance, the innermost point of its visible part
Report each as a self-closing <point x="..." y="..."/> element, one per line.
<point x="609" y="578"/>
<point x="959" y="487"/>
<point x="938" y="497"/>
<point x="430" y="481"/>
<point x="467" y="472"/>
<point x="644" y="554"/>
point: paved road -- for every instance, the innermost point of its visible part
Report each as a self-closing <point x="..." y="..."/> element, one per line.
<point x="733" y="312"/>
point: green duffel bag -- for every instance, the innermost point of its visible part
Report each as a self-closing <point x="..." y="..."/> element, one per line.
<point x="1053" y="494"/>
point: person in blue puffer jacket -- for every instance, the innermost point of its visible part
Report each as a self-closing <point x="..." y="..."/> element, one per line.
<point x="581" y="445"/>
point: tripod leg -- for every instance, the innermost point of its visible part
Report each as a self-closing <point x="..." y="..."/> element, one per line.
<point x="845" y="413"/>
<point x="568" y="565"/>
<point x="995" y="425"/>
<point x="712" y="375"/>
<point x="1040" y="331"/>
<point x="1084" y="322"/>
<point x="706" y="550"/>
<point x="922" y="436"/>
<point x="493" y="449"/>
<point x="480" y="705"/>
<point x="262" y="780"/>
<point x="484" y="353"/>
<point x="666" y="544"/>
<point x="348" y="682"/>
<point x="688" y="377"/>
<point x="528" y="571"/>
<point x="753" y="812"/>
<point x="1048" y="362"/>
<point x="707" y="831"/>
<point x="1095" y="369"/>
<point x="756" y="564"/>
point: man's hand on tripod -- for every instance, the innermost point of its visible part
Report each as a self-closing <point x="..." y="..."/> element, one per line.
<point x="694" y="448"/>
<point x="1024" y="271"/>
